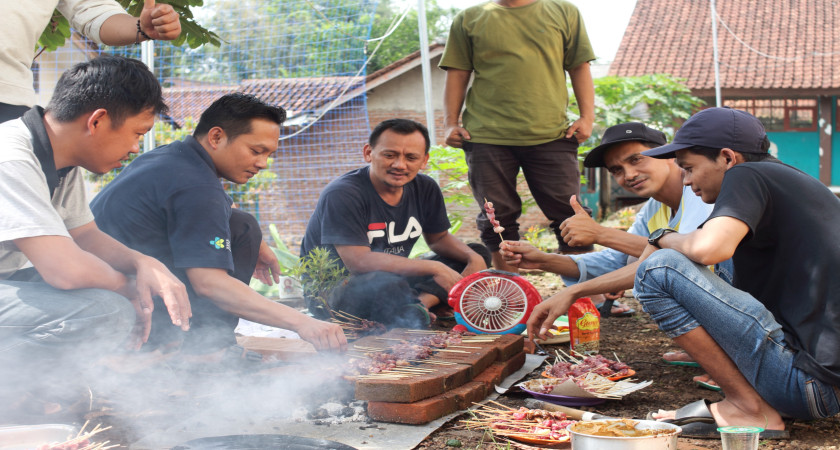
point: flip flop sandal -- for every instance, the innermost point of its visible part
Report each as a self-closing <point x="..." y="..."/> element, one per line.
<point x="697" y="422"/>
<point x="605" y="309"/>
<point x="705" y="385"/>
<point x="679" y="363"/>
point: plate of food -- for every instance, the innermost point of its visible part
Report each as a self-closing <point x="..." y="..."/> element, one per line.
<point x="567" y="366"/>
<point x="531" y="426"/>
<point x="547" y="390"/>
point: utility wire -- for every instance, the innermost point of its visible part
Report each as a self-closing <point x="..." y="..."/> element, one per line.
<point x="391" y="28"/>
<point x="769" y="56"/>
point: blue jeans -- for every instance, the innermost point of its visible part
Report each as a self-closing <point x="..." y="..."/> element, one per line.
<point x="43" y="329"/>
<point x="681" y="295"/>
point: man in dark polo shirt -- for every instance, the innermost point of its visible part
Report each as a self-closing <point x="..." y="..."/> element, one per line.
<point x="169" y="203"/>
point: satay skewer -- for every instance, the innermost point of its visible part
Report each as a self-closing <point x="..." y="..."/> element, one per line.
<point x="495" y="227"/>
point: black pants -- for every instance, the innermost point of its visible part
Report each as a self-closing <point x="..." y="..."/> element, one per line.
<point x="552" y="173"/>
<point x="211" y="328"/>
<point x="381" y="296"/>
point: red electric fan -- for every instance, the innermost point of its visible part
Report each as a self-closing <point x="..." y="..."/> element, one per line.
<point x="494" y="302"/>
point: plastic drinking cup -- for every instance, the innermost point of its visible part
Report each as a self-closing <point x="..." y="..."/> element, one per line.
<point x="739" y="438"/>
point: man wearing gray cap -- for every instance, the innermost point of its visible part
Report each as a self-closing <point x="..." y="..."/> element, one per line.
<point x="670" y="205"/>
<point x="771" y="339"/>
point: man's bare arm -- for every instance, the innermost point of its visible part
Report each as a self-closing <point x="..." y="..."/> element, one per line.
<point x="581" y="78"/>
<point x="525" y="256"/>
<point x="153" y="278"/>
<point x="544" y="314"/>
<point x="714" y="243"/>
<point x="159" y="22"/>
<point x="237" y="298"/>
<point x="454" y="92"/>
<point x="64" y="265"/>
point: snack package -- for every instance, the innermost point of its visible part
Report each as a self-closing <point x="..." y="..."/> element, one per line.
<point x="584" y="327"/>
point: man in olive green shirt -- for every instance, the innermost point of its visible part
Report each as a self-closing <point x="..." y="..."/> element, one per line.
<point x="519" y="52"/>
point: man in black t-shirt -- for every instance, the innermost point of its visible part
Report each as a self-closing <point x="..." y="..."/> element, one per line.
<point x="170" y="204"/>
<point x="772" y="339"/>
<point x="371" y="218"/>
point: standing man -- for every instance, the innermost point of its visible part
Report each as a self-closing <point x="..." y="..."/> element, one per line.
<point x="169" y="203"/>
<point x="515" y="117"/>
<point x="103" y="21"/>
<point x="370" y="218"/>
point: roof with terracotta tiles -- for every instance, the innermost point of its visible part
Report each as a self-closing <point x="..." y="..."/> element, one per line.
<point x="762" y="44"/>
<point x="296" y="95"/>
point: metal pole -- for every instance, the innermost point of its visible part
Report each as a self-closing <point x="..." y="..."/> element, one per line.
<point x="147" y="55"/>
<point x="715" y="46"/>
<point x="427" y="71"/>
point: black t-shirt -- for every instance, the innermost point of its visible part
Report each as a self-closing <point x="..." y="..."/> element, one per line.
<point x="790" y="259"/>
<point x="351" y="212"/>
<point x="169" y="204"/>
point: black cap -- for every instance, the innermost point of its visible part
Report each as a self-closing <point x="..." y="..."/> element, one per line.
<point x="630" y="131"/>
<point x="717" y="128"/>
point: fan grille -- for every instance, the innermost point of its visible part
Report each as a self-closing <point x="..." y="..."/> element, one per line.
<point x="493" y="303"/>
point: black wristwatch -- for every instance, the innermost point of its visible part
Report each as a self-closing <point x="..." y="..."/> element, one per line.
<point x="657" y="234"/>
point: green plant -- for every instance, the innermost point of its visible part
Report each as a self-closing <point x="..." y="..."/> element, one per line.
<point x="287" y="260"/>
<point x="540" y="238"/>
<point x="626" y="217"/>
<point x="319" y="273"/>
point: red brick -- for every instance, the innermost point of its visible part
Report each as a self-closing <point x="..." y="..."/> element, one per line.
<point x="529" y="346"/>
<point x="414" y="388"/>
<point x="513" y="364"/>
<point x="429" y="409"/>
<point x="500" y="370"/>
<point x="509" y="345"/>
<point x="477" y="359"/>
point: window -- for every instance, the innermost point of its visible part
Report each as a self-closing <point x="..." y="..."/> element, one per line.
<point x="779" y="114"/>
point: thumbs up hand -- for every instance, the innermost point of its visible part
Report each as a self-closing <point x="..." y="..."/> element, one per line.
<point x="160" y="22"/>
<point x="580" y="229"/>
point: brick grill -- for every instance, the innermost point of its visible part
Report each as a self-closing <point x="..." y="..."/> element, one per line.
<point x="423" y="398"/>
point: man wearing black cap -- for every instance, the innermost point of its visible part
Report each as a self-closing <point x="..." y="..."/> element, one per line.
<point x="772" y="338"/>
<point x="671" y="205"/>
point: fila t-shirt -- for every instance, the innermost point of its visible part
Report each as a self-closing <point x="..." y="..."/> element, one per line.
<point x="351" y="212"/>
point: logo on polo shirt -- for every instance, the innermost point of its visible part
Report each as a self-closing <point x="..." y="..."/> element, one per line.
<point x="412" y="230"/>
<point x="220" y="243"/>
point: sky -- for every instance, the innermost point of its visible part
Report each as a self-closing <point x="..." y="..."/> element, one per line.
<point x="605" y="30"/>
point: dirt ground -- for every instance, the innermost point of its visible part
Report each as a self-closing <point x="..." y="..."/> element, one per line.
<point x="638" y="342"/>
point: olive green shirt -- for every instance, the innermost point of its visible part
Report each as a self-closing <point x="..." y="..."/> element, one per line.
<point x="518" y="57"/>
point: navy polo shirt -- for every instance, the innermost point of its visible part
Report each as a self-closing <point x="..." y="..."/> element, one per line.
<point x="169" y="204"/>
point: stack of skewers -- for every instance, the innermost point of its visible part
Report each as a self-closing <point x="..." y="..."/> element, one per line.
<point x="82" y="441"/>
<point x="356" y="327"/>
<point x="534" y="426"/>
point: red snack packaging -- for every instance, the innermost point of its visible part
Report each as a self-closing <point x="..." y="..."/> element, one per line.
<point x="584" y="327"/>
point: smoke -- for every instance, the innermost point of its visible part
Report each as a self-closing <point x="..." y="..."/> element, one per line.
<point x="154" y="395"/>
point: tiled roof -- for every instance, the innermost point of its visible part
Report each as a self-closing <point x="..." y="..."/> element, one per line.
<point x="762" y="44"/>
<point x="296" y="95"/>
